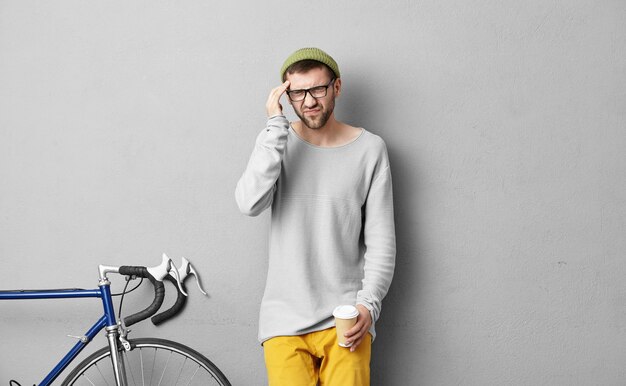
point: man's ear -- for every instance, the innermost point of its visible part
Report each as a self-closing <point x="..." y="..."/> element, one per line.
<point x="337" y="87"/>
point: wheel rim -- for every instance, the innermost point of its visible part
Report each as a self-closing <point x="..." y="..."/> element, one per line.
<point x="150" y="363"/>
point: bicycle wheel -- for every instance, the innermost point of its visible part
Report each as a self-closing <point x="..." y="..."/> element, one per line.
<point x="150" y="361"/>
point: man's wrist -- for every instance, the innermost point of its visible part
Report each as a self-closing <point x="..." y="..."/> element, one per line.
<point x="369" y="309"/>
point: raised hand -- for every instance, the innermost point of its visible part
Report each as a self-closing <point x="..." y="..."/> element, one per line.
<point x="273" y="105"/>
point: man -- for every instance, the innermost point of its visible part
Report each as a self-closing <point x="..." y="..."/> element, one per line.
<point x="332" y="238"/>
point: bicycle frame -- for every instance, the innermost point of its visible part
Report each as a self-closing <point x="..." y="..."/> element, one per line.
<point x="107" y="321"/>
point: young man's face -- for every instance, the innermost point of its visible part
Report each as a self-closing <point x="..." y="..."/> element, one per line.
<point x="314" y="112"/>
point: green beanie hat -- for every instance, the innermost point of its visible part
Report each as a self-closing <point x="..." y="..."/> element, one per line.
<point x="310" y="54"/>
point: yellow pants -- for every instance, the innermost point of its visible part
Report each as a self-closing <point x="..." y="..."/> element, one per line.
<point x="305" y="360"/>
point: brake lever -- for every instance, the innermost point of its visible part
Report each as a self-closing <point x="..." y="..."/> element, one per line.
<point x="193" y="272"/>
<point x="187" y="269"/>
<point x="166" y="267"/>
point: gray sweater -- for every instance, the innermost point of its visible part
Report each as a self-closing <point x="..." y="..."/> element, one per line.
<point x="332" y="239"/>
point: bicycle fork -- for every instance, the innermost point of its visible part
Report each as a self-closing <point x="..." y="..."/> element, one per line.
<point x="117" y="358"/>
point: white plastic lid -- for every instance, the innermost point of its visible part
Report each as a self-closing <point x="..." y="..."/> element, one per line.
<point x="346" y="312"/>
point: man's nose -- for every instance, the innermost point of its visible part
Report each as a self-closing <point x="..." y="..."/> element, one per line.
<point x="309" y="101"/>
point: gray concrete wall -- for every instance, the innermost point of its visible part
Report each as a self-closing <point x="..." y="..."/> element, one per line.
<point x="125" y="125"/>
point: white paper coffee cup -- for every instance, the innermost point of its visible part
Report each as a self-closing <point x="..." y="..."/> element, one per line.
<point x="345" y="319"/>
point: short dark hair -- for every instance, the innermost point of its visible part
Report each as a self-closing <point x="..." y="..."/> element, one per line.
<point x="306" y="66"/>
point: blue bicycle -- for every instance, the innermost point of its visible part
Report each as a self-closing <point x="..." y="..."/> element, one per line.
<point x="125" y="362"/>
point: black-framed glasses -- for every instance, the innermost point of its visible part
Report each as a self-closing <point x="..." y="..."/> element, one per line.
<point x="316" y="92"/>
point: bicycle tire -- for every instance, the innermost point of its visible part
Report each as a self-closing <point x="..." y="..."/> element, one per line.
<point x="150" y="361"/>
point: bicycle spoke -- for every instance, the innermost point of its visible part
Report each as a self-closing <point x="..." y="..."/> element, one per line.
<point x="181" y="371"/>
<point x="89" y="380"/>
<point x="165" y="368"/>
<point x="143" y="378"/>
<point x="193" y="376"/>
<point x="126" y="358"/>
<point x="103" y="378"/>
<point x="153" y="363"/>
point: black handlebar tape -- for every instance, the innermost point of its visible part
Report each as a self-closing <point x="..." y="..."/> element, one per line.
<point x="159" y="294"/>
<point x="181" y="300"/>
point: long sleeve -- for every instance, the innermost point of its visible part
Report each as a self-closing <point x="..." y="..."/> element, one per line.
<point x="255" y="189"/>
<point x="326" y="201"/>
<point x="380" y="244"/>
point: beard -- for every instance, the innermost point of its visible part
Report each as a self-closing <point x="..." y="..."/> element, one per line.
<point x="319" y="120"/>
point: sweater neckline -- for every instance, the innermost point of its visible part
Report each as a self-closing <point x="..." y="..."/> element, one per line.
<point x="361" y="134"/>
